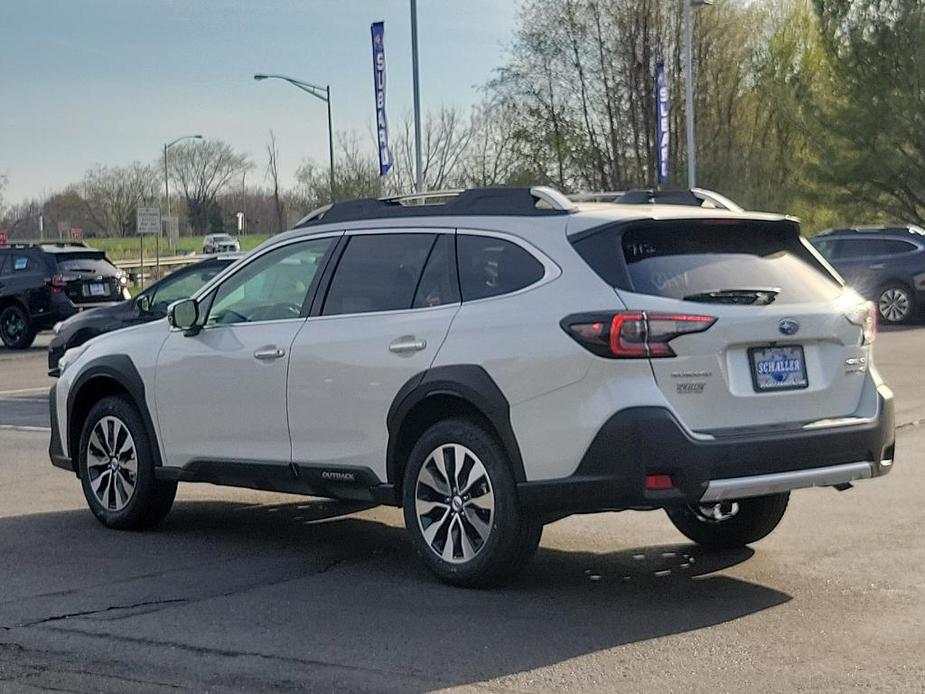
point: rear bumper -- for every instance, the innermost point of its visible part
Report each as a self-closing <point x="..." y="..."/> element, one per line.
<point x="643" y="441"/>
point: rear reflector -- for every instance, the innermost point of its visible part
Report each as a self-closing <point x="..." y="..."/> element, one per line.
<point x="655" y="482"/>
<point x="632" y="334"/>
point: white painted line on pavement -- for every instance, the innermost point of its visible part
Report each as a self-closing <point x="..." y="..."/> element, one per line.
<point x="25" y="391"/>
<point x="17" y="427"/>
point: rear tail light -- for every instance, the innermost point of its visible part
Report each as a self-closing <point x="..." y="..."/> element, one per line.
<point x="59" y="282"/>
<point x="633" y="334"/>
<point x="864" y="316"/>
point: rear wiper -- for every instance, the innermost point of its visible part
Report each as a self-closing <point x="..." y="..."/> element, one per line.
<point x="760" y="297"/>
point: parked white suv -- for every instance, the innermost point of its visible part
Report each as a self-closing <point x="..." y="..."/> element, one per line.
<point x="220" y="243"/>
<point x="492" y="364"/>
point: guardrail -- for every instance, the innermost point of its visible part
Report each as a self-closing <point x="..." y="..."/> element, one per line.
<point x="130" y="263"/>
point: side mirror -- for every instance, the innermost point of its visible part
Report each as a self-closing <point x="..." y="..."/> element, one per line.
<point x="184" y="315"/>
<point x="144" y="303"/>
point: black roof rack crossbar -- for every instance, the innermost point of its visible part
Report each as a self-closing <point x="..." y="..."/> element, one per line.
<point x="522" y="202"/>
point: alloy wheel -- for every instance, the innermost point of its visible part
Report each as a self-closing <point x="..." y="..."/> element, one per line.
<point x="454" y="503"/>
<point x="13" y="326"/>
<point x="894" y="305"/>
<point x="112" y="463"/>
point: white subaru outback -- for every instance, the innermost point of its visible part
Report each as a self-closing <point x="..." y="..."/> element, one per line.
<point x="490" y="364"/>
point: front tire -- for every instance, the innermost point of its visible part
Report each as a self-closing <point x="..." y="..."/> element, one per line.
<point x="461" y="507"/>
<point x="896" y="304"/>
<point x="730" y="524"/>
<point x="116" y="463"/>
<point x="16" y="330"/>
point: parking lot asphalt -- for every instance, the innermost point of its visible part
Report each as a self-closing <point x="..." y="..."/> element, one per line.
<point x="248" y="591"/>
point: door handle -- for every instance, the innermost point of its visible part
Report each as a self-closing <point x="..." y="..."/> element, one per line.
<point x="403" y="345"/>
<point x="269" y="354"/>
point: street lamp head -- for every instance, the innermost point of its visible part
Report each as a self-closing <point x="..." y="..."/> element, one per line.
<point x="260" y="77"/>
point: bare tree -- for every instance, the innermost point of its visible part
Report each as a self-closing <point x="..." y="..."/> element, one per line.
<point x="202" y="169"/>
<point x="3" y="182"/>
<point x="111" y="194"/>
<point x="356" y="175"/>
<point x="272" y="175"/>
<point x="445" y="138"/>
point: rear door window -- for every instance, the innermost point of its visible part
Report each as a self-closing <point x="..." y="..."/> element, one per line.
<point x="378" y="272"/>
<point x="439" y="284"/>
<point x="682" y="260"/>
<point x="4" y="264"/>
<point x="490" y="266"/>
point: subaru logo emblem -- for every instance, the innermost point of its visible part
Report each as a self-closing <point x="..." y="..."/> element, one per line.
<point x="789" y="326"/>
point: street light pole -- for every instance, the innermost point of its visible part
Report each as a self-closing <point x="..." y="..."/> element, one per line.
<point x="319" y="92"/>
<point x="415" y="80"/>
<point x="689" y="88"/>
<point x="167" y="191"/>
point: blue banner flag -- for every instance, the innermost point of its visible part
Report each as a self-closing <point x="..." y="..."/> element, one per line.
<point x="662" y="129"/>
<point x="382" y="126"/>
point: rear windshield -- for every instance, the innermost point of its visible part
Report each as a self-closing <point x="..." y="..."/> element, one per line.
<point x="710" y="262"/>
<point x="93" y="263"/>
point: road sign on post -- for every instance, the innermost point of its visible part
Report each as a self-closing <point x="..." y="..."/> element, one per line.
<point x="147" y="221"/>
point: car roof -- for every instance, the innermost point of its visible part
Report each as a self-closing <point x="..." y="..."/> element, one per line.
<point x="877" y="229"/>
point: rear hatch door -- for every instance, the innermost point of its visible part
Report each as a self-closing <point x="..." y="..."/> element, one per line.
<point x="782" y="350"/>
<point x="88" y="277"/>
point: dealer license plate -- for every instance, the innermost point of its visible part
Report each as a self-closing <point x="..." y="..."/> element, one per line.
<point x="778" y="368"/>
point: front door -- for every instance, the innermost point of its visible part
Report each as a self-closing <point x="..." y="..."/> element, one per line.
<point x="389" y="307"/>
<point x="221" y="394"/>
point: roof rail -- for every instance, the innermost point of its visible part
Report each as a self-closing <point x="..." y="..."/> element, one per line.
<point x="535" y="201"/>
<point x="695" y="197"/>
<point x="26" y="243"/>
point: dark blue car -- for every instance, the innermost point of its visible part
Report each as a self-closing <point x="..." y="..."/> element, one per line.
<point x="886" y="264"/>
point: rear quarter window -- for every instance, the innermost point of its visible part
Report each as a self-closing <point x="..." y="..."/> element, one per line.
<point x="490" y="266"/>
<point x="681" y="260"/>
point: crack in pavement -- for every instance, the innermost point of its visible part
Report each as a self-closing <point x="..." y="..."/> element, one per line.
<point x="85" y="613"/>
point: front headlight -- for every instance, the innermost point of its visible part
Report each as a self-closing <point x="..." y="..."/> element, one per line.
<point x="70" y="356"/>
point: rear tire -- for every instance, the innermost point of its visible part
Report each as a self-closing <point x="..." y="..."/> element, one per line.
<point x="461" y="507"/>
<point x="16" y="330"/>
<point x="730" y="524"/>
<point x="896" y="304"/>
<point x="116" y="463"/>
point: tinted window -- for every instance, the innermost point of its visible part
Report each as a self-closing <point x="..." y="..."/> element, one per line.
<point x="378" y="273"/>
<point x="439" y="284"/>
<point x="88" y="263"/>
<point x="4" y="263"/>
<point x="490" y="266"/>
<point x="896" y="246"/>
<point x="827" y="247"/>
<point x="681" y="260"/>
<point x="858" y="248"/>
<point x="272" y="287"/>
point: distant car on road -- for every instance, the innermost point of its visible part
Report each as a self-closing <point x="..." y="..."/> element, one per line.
<point x="41" y="284"/>
<point x="220" y="243"/>
<point x="149" y="305"/>
<point x="886" y="264"/>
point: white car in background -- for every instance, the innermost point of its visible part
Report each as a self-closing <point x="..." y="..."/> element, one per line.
<point x="220" y="243"/>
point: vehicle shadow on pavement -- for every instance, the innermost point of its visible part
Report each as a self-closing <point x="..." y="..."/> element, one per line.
<point x="302" y="584"/>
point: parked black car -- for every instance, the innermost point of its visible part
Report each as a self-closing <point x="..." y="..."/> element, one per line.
<point x="45" y="283"/>
<point x="149" y="305"/>
<point x="886" y="264"/>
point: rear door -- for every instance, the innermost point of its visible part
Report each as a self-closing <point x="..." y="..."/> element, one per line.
<point x="778" y="351"/>
<point x="386" y="312"/>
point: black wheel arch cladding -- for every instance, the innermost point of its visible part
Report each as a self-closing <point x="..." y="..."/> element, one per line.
<point x="106" y="370"/>
<point x="469" y="383"/>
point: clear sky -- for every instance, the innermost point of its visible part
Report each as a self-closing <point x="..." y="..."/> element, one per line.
<point x="110" y="81"/>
